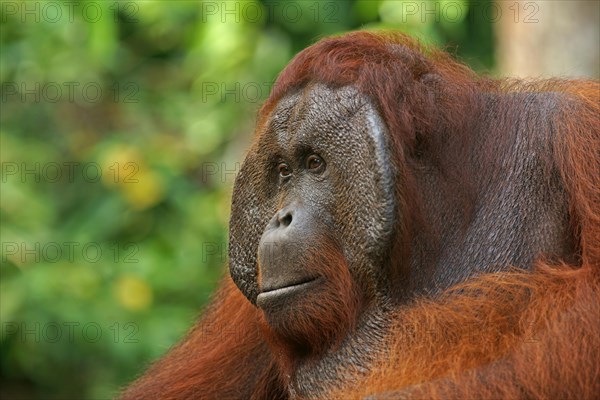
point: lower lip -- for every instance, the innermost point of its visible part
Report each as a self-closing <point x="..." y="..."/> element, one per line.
<point x="265" y="299"/>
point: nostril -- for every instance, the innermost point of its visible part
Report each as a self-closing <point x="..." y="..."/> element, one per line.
<point x="285" y="219"/>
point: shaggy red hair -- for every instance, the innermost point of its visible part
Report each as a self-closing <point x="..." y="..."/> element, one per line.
<point x="511" y="334"/>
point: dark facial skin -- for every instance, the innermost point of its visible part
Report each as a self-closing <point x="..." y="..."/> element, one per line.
<point x="294" y="187"/>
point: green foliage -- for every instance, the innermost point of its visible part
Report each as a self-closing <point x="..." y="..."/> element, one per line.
<point x="122" y="126"/>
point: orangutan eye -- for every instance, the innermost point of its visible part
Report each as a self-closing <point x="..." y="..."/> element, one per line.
<point x="284" y="170"/>
<point x="314" y="163"/>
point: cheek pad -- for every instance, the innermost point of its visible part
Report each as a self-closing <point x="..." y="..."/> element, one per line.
<point x="364" y="188"/>
<point x="251" y="209"/>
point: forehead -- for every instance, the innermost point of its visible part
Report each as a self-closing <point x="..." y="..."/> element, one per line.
<point x="318" y="113"/>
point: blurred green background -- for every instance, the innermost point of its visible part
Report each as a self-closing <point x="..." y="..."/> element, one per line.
<point x="122" y="125"/>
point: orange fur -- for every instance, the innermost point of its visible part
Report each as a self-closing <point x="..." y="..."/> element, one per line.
<point x="506" y="335"/>
<point x="223" y="357"/>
